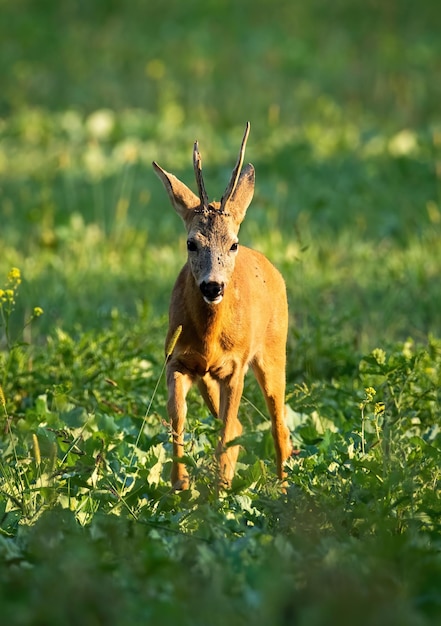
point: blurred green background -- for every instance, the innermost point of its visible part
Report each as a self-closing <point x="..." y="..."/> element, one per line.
<point x="218" y="61"/>
<point x="344" y="103"/>
<point x="343" y="100"/>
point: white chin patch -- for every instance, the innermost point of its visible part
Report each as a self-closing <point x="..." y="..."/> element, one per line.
<point x="215" y="301"/>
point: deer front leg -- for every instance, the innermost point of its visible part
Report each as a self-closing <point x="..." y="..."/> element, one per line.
<point x="178" y="384"/>
<point x="230" y="395"/>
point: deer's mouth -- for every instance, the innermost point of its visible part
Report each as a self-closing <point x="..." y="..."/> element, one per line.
<point x="212" y="292"/>
<point x="215" y="301"/>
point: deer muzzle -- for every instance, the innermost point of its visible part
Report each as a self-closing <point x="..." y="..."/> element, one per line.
<point x="212" y="291"/>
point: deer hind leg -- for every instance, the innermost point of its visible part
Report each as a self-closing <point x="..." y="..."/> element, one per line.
<point x="178" y="384"/>
<point x="271" y="378"/>
<point x="209" y="388"/>
<point x="230" y="395"/>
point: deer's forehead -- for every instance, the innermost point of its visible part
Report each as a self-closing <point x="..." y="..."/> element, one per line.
<point x="212" y="227"/>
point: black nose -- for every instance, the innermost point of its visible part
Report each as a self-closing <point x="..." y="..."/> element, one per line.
<point x="212" y="290"/>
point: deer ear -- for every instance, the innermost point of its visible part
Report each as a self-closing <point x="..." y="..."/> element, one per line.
<point x="184" y="201"/>
<point x="243" y="194"/>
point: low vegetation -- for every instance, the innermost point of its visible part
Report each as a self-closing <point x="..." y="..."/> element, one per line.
<point x="346" y="141"/>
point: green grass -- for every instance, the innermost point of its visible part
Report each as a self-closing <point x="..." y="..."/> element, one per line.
<point x="343" y="100"/>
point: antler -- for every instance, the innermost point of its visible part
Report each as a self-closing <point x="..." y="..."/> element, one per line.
<point x="197" y="164"/>
<point x="229" y="191"/>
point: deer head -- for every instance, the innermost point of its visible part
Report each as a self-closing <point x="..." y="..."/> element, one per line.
<point x="212" y="227"/>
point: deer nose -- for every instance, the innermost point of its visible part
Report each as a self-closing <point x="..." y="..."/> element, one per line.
<point x="212" y="291"/>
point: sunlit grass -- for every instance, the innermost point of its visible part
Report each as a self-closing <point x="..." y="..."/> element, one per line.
<point x="89" y="210"/>
<point x="343" y="100"/>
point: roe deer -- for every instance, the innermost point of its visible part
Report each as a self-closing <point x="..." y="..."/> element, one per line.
<point x="232" y="307"/>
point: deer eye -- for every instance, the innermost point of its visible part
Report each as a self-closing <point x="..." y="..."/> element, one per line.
<point x="234" y="247"/>
<point x="191" y="246"/>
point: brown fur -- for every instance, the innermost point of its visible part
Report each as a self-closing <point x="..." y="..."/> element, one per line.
<point x="219" y="341"/>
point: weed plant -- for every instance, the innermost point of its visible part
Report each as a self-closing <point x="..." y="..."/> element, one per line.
<point x="344" y="106"/>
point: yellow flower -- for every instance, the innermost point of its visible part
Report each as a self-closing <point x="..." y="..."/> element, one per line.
<point x="37" y="311"/>
<point x="370" y="393"/>
<point x="14" y="276"/>
<point x="379" y="408"/>
<point x="379" y="355"/>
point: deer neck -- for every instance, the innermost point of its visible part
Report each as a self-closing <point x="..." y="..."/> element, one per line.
<point x="210" y="319"/>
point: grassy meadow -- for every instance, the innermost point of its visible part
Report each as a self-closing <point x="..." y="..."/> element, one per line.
<point x="344" y="104"/>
